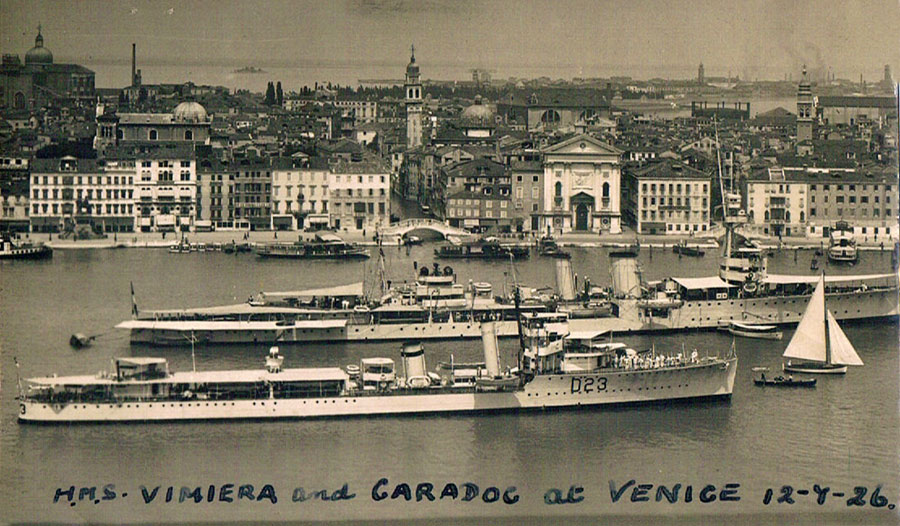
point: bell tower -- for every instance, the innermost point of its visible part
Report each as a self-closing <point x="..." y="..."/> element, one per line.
<point x="413" y="103"/>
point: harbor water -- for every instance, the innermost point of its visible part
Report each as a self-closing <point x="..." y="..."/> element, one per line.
<point x="842" y="434"/>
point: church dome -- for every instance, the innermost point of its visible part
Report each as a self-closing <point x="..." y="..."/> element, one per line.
<point x="478" y="112"/>
<point x="39" y="54"/>
<point x="190" y="112"/>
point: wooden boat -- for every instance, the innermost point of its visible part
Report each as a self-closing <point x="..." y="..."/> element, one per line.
<point x="547" y="247"/>
<point x="79" y="340"/>
<point x="625" y="252"/>
<point x="781" y="381"/>
<point x="684" y="250"/>
<point x="819" y="345"/>
<point x="749" y="330"/>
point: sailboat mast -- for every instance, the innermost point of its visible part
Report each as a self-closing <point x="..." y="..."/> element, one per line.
<point x="825" y="321"/>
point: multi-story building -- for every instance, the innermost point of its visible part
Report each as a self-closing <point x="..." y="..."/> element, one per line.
<point x="360" y="195"/>
<point x="527" y="179"/>
<point x="809" y="201"/>
<point x="215" y="199"/>
<point x="850" y="111"/>
<point x="581" y="187"/>
<point x="252" y="191"/>
<point x="165" y="190"/>
<point x="865" y="198"/>
<point x="70" y="192"/>
<point x="14" y="200"/>
<point x="667" y="197"/>
<point x="479" y="195"/>
<point x="362" y="111"/>
<point x="300" y="194"/>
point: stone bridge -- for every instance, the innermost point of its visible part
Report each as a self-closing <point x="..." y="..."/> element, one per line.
<point x="408" y="225"/>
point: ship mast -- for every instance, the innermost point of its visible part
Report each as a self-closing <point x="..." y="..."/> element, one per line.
<point x="825" y="320"/>
<point x="728" y="226"/>
<point x="520" y="358"/>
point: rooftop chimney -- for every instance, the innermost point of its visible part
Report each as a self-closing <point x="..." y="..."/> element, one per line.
<point x="133" y="62"/>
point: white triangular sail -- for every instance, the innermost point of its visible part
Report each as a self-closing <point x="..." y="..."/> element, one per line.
<point x="842" y="351"/>
<point x="808" y="342"/>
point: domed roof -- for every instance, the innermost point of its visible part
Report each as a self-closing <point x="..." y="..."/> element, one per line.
<point x="190" y="111"/>
<point x="478" y="112"/>
<point x="39" y="54"/>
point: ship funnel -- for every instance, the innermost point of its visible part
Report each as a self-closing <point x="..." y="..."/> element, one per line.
<point x="491" y="351"/>
<point x="413" y="360"/>
<point x="565" y="281"/>
<point x="626" y="278"/>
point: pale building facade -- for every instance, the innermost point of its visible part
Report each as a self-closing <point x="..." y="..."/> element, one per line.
<point x="360" y="196"/>
<point x="165" y="193"/>
<point x="668" y="197"/>
<point x="582" y="178"/>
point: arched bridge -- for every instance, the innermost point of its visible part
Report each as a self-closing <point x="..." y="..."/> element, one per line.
<point x="408" y="225"/>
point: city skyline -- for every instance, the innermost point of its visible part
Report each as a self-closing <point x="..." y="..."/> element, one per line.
<point x="769" y="39"/>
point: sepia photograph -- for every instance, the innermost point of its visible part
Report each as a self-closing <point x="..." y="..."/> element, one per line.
<point x="449" y="262"/>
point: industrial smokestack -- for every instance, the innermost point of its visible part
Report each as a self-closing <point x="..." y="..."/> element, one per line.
<point x="491" y="350"/>
<point x="565" y="281"/>
<point x="133" y="62"/>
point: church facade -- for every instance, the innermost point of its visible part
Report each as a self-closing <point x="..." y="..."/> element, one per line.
<point x="582" y="187"/>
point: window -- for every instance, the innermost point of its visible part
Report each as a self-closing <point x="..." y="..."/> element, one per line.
<point x="153" y="135"/>
<point x="558" y="188"/>
<point x="606" y="190"/>
<point x="188" y="135"/>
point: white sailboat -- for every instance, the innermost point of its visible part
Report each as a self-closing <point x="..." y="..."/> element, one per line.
<point x="819" y="345"/>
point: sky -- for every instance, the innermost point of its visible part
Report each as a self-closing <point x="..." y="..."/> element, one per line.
<point x="764" y="39"/>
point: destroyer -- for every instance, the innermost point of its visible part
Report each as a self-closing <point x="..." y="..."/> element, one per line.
<point x="553" y="369"/>
<point x="433" y="307"/>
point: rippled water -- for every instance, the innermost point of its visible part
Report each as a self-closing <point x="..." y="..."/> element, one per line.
<point x="841" y="434"/>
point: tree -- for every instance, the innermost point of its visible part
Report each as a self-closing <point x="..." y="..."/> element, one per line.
<point x="270" y="95"/>
<point x="279" y="95"/>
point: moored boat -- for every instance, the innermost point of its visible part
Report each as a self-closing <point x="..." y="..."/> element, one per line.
<point x="28" y="250"/>
<point x="547" y="247"/>
<point x="482" y="249"/>
<point x="842" y="247"/>
<point x="682" y="249"/>
<point x="324" y="246"/>
<point x="749" y="330"/>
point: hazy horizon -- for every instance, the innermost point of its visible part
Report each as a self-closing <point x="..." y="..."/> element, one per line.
<point x="764" y="39"/>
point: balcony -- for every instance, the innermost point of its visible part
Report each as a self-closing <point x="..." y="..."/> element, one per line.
<point x="605" y="202"/>
<point x="557" y="202"/>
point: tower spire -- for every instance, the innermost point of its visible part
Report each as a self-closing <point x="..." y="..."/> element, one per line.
<point x="412" y="57"/>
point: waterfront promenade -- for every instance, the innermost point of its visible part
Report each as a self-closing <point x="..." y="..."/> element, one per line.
<point x="627" y="238"/>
